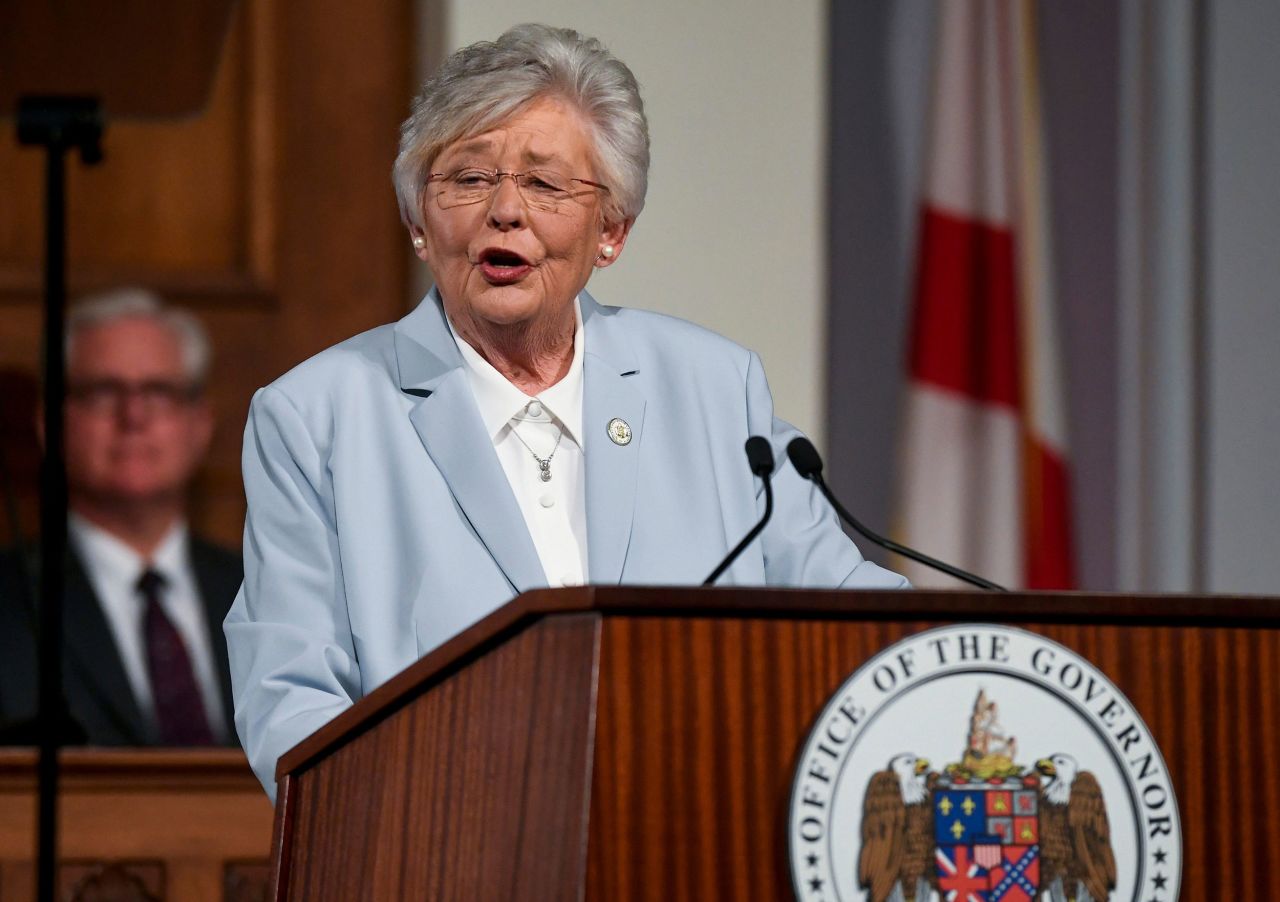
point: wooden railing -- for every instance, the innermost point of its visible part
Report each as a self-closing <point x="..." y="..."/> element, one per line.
<point x="140" y="824"/>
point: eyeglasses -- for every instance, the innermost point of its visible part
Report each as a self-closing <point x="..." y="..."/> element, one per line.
<point x="542" y="189"/>
<point x="103" y="396"/>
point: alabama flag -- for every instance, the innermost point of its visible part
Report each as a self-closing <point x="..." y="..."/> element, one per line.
<point x="984" y="477"/>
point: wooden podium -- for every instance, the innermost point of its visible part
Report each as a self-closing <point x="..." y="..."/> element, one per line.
<point x="629" y="743"/>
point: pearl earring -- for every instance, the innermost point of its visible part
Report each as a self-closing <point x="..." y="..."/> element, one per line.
<point x="419" y="242"/>
<point x="606" y="251"/>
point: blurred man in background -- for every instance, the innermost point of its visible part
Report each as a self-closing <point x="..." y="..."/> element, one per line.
<point x="145" y="661"/>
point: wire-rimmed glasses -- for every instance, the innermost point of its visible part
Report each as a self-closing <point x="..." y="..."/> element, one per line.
<point x="156" y="396"/>
<point x="542" y="189"/>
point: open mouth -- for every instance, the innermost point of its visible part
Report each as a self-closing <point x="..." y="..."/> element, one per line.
<point x="501" y="266"/>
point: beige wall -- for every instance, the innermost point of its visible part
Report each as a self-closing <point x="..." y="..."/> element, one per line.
<point x="732" y="235"/>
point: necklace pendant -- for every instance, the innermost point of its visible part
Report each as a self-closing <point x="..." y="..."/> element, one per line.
<point x="545" y="466"/>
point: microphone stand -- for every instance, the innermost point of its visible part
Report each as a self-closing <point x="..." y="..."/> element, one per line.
<point x="59" y="125"/>
<point x="760" y="459"/>
<point x="749" y="537"/>
<point x="919" y="557"/>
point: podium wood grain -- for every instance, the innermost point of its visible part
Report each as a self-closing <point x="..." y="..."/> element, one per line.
<point x="486" y="768"/>
<point x="625" y="745"/>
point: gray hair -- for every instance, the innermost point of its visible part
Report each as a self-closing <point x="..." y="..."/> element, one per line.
<point x="139" y="303"/>
<point x="480" y="86"/>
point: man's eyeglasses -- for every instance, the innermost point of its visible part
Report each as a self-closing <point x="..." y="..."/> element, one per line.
<point x="542" y="189"/>
<point x="156" y="396"/>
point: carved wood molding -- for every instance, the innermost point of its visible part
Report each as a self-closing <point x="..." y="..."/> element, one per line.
<point x="245" y="881"/>
<point x="112" y="881"/>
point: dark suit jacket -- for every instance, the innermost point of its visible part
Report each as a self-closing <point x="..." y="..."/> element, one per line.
<point x="96" y="687"/>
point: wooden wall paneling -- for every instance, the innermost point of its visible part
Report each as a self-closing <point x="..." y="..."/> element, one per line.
<point x="271" y="215"/>
<point x="103" y="49"/>
<point x="344" y="70"/>
<point x="169" y="205"/>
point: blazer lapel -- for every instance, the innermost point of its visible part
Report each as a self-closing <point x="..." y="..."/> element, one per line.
<point x="448" y="423"/>
<point x="609" y="393"/>
<point x="96" y="669"/>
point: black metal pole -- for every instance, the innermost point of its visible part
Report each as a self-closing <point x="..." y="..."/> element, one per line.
<point x="58" y="124"/>
<point x="53" y="525"/>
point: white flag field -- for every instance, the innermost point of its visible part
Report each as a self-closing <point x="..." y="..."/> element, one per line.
<point x="984" y="478"/>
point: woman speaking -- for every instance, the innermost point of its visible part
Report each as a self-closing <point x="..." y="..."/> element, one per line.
<point x="511" y="432"/>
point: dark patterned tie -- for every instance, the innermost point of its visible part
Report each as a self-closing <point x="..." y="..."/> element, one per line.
<point x="180" y="710"/>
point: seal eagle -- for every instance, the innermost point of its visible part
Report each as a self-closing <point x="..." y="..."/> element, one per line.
<point x="1076" y="861"/>
<point x="896" y="859"/>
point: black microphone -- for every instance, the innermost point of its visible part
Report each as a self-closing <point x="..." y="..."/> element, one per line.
<point x="804" y="457"/>
<point x="760" y="458"/>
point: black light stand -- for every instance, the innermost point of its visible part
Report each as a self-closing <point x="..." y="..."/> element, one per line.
<point x="59" y="124"/>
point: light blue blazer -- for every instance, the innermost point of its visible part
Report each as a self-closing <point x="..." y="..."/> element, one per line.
<point x="380" y="521"/>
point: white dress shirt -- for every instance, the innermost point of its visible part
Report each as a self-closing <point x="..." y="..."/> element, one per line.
<point x="113" y="569"/>
<point x="550" y="424"/>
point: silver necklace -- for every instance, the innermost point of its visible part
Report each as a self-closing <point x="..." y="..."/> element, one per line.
<point x="544" y="464"/>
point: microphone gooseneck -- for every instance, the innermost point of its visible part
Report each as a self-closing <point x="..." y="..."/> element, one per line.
<point x="760" y="459"/>
<point x="808" y="463"/>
